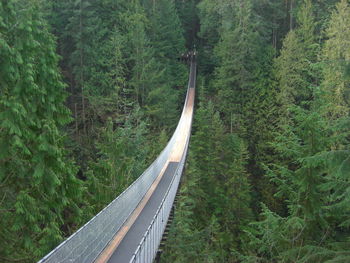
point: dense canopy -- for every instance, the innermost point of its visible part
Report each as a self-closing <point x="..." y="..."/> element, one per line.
<point x="91" y="90"/>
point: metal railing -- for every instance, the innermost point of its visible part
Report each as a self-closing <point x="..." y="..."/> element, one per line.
<point x="147" y="249"/>
<point x="88" y="242"/>
<point x="85" y="245"/>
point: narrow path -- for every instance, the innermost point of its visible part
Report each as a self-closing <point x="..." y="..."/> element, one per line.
<point x="127" y="247"/>
<point x="126" y="241"/>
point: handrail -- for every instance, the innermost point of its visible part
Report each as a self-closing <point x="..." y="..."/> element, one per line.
<point x="147" y="248"/>
<point x="85" y="245"/>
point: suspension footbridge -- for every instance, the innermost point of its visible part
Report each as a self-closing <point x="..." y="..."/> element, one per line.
<point x="131" y="227"/>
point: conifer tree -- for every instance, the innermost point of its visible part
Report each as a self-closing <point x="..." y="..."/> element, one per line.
<point x="121" y="160"/>
<point x="272" y="26"/>
<point x="209" y="33"/>
<point x="308" y="173"/>
<point x="187" y="241"/>
<point x="39" y="192"/>
<point x="235" y="75"/>
<point x="336" y="56"/>
<point x="220" y="193"/>
<point x="188" y="14"/>
<point x="236" y="193"/>
<point x="308" y="232"/>
<point x="294" y="69"/>
<point x="290" y="65"/>
<point x="261" y="120"/>
<point x="167" y="43"/>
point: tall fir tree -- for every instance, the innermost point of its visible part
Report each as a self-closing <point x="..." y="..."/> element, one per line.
<point x="120" y="161"/>
<point x="311" y="163"/>
<point x="39" y="192"/>
<point x="167" y="41"/>
<point x="216" y="198"/>
<point x="336" y="56"/>
<point x="238" y="52"/>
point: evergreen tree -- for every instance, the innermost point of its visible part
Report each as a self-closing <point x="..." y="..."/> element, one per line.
<point x="235" y="75"/>
<point x="310" y="164"/>
<point x="261" y="119"/>
<point x="210" y="23"/>
<point x="212" y="214"/>
<point x="294" y="69"/>
<point x="308" y="232"/>
<point x="271" y="114"/>
<point x="290" y="65"/>
<point x="167" y="43"/>
<point x="187" y="242"/>
<point x="188" y="14"/>
<point x="336" y="56"/>
<point x="120" y="161"/>
<point x="39" y="192"/>
<point x="272" y="24"/>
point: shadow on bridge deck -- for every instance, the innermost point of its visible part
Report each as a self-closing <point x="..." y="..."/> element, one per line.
<point x="131" y="240"/>
<point x="127" y="240"/>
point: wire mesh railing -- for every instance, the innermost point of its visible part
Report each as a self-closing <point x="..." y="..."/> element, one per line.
<point x="148" y="246"/>
<point x="86" y="244"/>
<point x="147" y="249"/>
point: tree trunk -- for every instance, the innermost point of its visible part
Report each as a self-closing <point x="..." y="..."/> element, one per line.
<point x="81" y="67"/>
<point x="291" y="15"/>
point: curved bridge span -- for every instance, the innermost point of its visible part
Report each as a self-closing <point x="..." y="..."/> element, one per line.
<point x="131" y="227"/>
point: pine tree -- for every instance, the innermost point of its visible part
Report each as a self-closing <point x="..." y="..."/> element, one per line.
<point x="38" y="188"/>
<point x="207" y="148"/>
<point x="213" y="213"/>
<point x="188" y="14"/>
<point x="236" y="193"/>
<point x="336" y="56"/>
<point x="120" y="161"/>
<point x="261" y="119"/>
<point x="141" y="55"/>
<point x="235" y="75"/>
<point x="294" y="69"/>
<point x="209" y="33"/>
<point x="167" y="41"/>
<point x="290" y="65"/>
<point x="187" y="242"/>
<point x="299" y="183"/>
<point x="272" y="25"/>
<point x="309" y="167"/>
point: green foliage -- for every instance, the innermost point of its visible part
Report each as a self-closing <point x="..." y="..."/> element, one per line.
<point x="188" y="14"/>
<point x="271" y="128"/>
<point x="238" y="53"/>
<point x="38" y="189"/>
<point x="291" y="112"/>
<point x="121" y="160"/>
<point x="290" y="67"/>
<point x="121" y="56"/>
<point x="307" y="183"/>
<point x="210" y="22"/>
<point x="336" y="57"/>
<point x="214" y="205"/>
<point x="167" y="43"/>
<point x="294" y="67"/>
<point x="311" y="148"/>
<point x="116" y="78"/>
<point x="273" y="23"/>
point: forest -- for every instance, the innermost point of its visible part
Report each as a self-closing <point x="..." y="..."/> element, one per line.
<point x="91" y="91"/>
